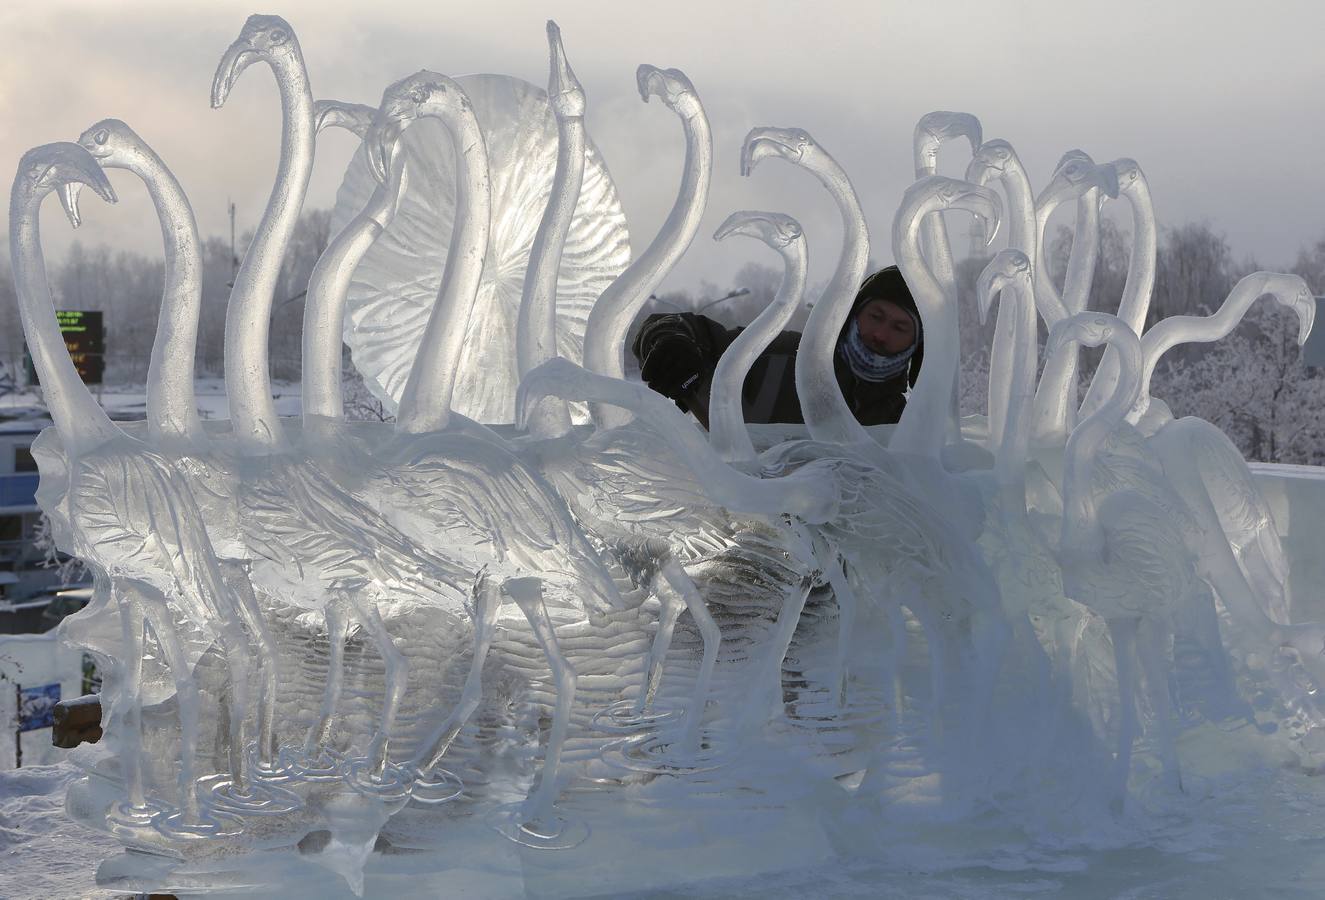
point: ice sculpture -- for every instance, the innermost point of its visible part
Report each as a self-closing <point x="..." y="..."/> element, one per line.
<point x="922" y="427"/>
<point x="1076" y="176"/>
<point x="393" y="289"/>
<point x="1141" y="268"/>
<point x="329" y="283"/>
<point x="784" y="234"/>
<point x="616" y="308"/>
<point x="1289" y="291"/>
<point x="536" y="329"/>
<point x="996" y="160"/>
<point x="125" y="510"/>
<point x="1121" y="553"/>
<point x="334" y="640"/>
<point x="827" y="416"/>
<point x="172" y="412"/>
<point x="266" y="39"/>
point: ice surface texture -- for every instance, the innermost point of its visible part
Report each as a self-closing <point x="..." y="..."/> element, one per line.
<point x="325" y="637"/>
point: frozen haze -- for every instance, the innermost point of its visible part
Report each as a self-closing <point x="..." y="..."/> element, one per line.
<point x="1047" y="77"/>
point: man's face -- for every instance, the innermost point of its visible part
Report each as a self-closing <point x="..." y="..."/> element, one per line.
<point x="885" y="327"/>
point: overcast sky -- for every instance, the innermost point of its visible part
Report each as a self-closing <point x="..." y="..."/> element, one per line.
<point x="1220" y="102"/>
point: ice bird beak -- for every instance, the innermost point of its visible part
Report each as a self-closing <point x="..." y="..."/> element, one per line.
<point x="745" y="223"/>
<point x="90" y="174"/>
<point x="991" y="282"/>
<point x="984" y="203"/>
<point x="238" y="57"/>
<point x="381" y="139"/>
<point x="69" y="192"/>
<point x="762" y="143"/>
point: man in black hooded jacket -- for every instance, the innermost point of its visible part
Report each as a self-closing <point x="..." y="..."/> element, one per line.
<point x="878" y="357"/>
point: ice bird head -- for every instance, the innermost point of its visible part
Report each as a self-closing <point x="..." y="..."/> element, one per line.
<point x="565" y="95"/>
<point x="792" y="144"/>
<point x="990" y="161"/>
<point x="422" y="94"/>
<point x="671" y="86"/>
<point x="1090" y="329"/>
<point x="775" y="229"/>
<point x="1077" y="174"/>
<point x="263" y="38"/>
<point x="936" y="128"/>
<point x="1009" y="267"/>
<point x="61" y="167"/>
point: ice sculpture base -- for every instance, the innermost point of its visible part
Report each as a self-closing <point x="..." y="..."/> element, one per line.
<point x="635" y="846"/>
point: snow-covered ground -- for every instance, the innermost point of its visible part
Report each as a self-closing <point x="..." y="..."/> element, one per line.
<point x="42" y="853"/>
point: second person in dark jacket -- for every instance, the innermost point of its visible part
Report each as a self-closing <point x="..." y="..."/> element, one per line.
<point x="878" y="357"/>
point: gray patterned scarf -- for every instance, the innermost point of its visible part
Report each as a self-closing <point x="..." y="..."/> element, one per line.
<point x="870" y="366"/>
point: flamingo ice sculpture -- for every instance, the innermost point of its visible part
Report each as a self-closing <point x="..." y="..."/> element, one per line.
<point x="995" y="160"/>
<point x="172" y="417"/>
<point x="620" y="303"/>
<point x="931" y="133"/>
<point x="266" y="39"/>
<point x="1210" y="473"/>
<point x="329" y="283"/>
<point x="885" y="531"/>
<point x="1121" y="553"/>
<point x="922" y="429"/>
<point x="121" y="506"/>
<point x="827" y="416"/>
<point x="1141" y="268"/>
<point x="536" y="328"/>
<point x="319" y="544"/>
<point x="439" y="462"/>
<point x="1288" y="291"/>
<point x="730" y="437"/>
<point x="605" y="332"/>
<point x="1078" y="177"/>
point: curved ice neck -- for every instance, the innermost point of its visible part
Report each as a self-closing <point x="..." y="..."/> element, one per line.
<point x="610" y="319"/>
<point x="1023" y="233"/>
<point x="328" y="287"/>
<point x="729" y="435"/>
<point x="248" y="318"/>
<point x="536" y="330"/>
<point x="1048" y="300"/>
<point x="825" y="410"/>
<point x="172" y="409"/>
<point x="83" y="424"/>
<point x="1008" y="345"/>
<point x="1168" y="333"/>
<point x="924" y="420"/>
<point x="425" y="404"/>
<point x="1084" y="254"/>
<point x="1012" y="380"/>
<point x="1140" y="284"/>
<point x="933" y="232"/>
<point x="1056" y="397"/>
<point x="1081" y="528"/>
<point x="1141" y="266"/>
<point x="1056" y="401"/>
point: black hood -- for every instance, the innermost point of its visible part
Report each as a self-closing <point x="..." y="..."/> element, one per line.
<point x="888" y="284"/>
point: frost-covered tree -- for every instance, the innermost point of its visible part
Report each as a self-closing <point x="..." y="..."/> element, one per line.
<point x="1253" y="385"/>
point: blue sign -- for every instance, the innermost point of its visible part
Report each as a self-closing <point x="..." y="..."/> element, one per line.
<point x="36" y="706"/>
